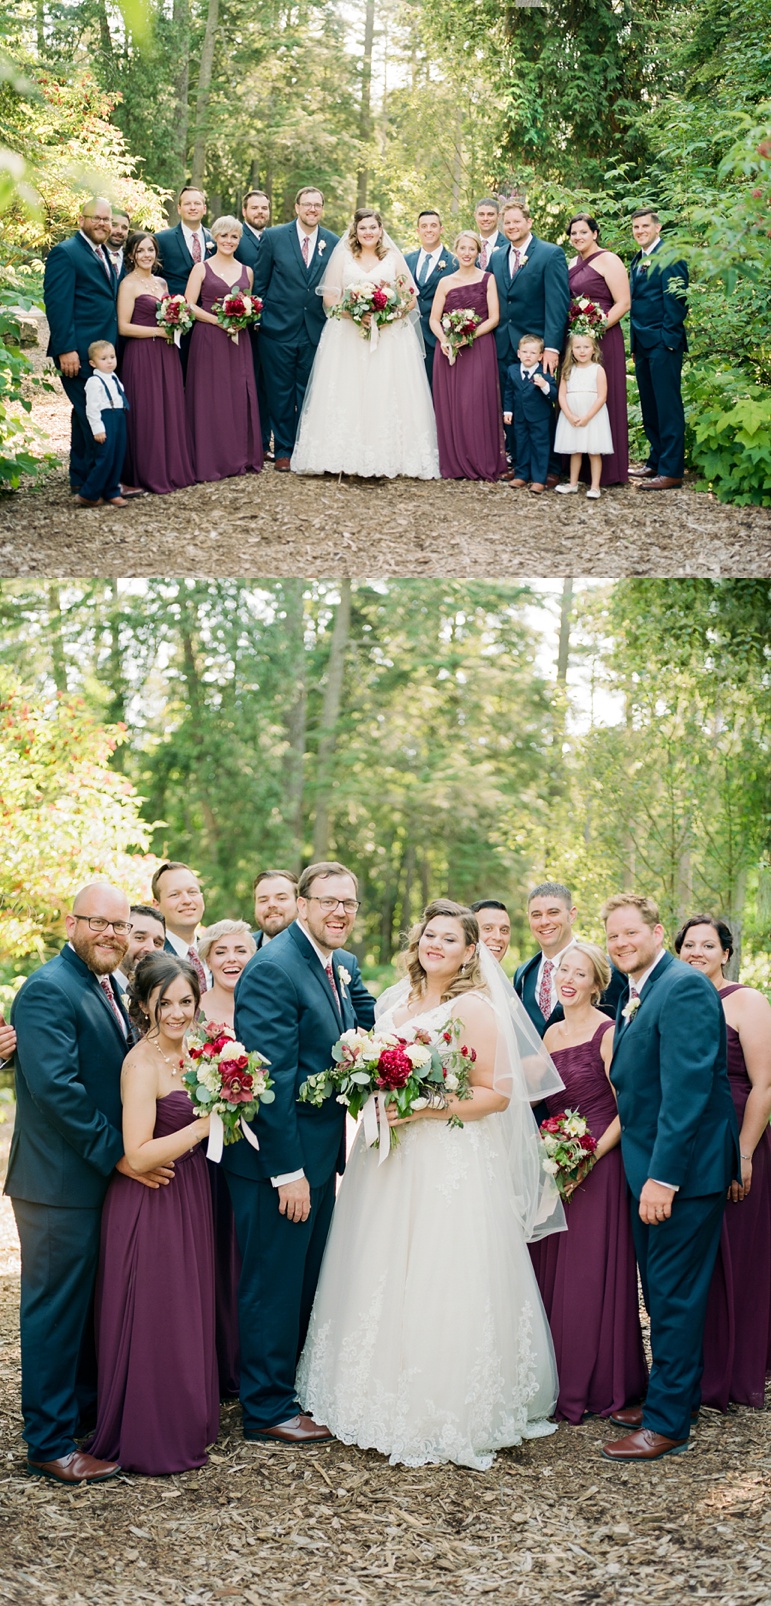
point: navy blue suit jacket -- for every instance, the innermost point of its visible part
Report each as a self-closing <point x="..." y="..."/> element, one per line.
<point x="525" y="400"/>
<point x="674" y="1100"/>
<point x="535" y="301"/>
<point x="176" y="262"/>
<point x="80" y="301"/>
<point x="427" y="291"/>
<point x="67" y="1139"/>
<point x="293" y="312"/>
<point x="526" y="981"/>
<point x="248" y="248"/>
<point x="658" y="312"/>
<point x="285" y="1008"/>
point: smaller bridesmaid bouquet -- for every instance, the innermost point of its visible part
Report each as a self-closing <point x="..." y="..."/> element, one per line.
<point x="236" y="312"/>
<point x="459" y="329"/>
<point x="226" y="1083"/>
<point x="174" y="317"/>
<point x="585" y="317"/>
<point x="569" y="1147"/>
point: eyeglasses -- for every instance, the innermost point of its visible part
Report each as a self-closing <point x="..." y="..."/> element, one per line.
<point x="328" y="905"/>
<point x="120" y="927"/>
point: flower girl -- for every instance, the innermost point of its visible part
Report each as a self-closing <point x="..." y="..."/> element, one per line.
<point x="583" y="425"/>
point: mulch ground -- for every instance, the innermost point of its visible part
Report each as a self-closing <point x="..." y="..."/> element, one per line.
<point x="275" y="525"/>
<point x="551" y="1522"/>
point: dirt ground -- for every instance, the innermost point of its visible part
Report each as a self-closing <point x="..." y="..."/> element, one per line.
<point x="273" y="525"/>
<point x="339" y="1527"/>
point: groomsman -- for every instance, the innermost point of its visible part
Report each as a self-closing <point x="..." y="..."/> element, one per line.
<point x="73" y="1035"/>
<point x="121" y="223"/>
<point x="494" y="926"/>
<point x="178" y="895"/>
<point x="80" y="289"/>
<point x="680" y="1148"/>
<point x="428" y="265"/>
<point x="551" y="914"/>
<point x="275" y="904"/>
<point x="294" y="998"/>
<point x="255" y="209"/>
<point x="486" y="214"/>
<point x="148" y="936"/>
<point x="533" y="290"/>
<point x="289" y="268"/>
<point x="184" y="245"/>
<point x="657" y="340"/>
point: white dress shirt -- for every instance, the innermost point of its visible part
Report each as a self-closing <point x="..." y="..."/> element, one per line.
<point x="182" y="949"/>
<point x="99" y="399"/>
<point x="555" y="962"/>
<point x="116" y="258"/>
<point x="432" y="257"/>
<point x="258" y="233"/>
<point x="312" y="239"/>
<point x="190" y="235"/>
<point x="100" y="252"/>
<point x="295" y="1176"/>
<point x="522" y="249"/>
<point x="494" y="241"/>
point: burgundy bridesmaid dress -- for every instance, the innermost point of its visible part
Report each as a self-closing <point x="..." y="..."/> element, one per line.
<point x="588" y="1275"/>
<point x="584" y="280"/>
<point x="737" y="1333"/>
<point x="158" y="1398"/>
<point x="158" y="449"/>
<point x="227" y="1270"/>
<point x="220" y="394"/>
<point x="467" y="399"/>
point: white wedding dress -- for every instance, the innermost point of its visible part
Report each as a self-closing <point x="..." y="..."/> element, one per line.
<point x="368" y="408"/>
<point x="428" y="1340"/>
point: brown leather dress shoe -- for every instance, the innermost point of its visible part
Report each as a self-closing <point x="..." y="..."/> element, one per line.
<point x="643" y="1446"/>
<point x="537" y="488"/>
<point x="132" y="490"/>
<point x="660" y="482"/>
<point x="551" y="481"/>
<point x="118" y="501"/>
<point x="516" y="485"/>
<point x="77" y="1467"/>
<point x="644" y="473"/>
<point x="281" y="465"/>
<point x="84" y="501"/>
<point x="632" y="1417"/>
<point x="299" y="1431"/>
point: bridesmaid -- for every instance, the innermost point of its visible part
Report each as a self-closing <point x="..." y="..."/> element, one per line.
<point x="588" y="1275"/>
<point x="225" y="948"/>
<point x="737" y="1336"/>
<point x="220" y="394"/>
<point x="158" y="1405"/>
<point x="158" y="450"/>
<point x="601" y="275"/>
<point x="467" y="398"/>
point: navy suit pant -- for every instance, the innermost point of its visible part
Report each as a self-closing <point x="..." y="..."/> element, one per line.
<point x="262" y="394"/>
<point x="676" y="1260"/>
<point x="82" y="443"/>
<point x="659" y="374"/>
<point x="287" y="369"/>
<point x="104" y="476"/>
<point x="59" y="1256"/>
<point x="281" y="1261"/>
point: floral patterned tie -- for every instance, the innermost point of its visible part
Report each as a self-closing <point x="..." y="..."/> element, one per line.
<point x="106" y="986"/>
<point x="195" y="248"/>
<point x="332" y="983"/>
<point x="304" y="247"/>
<point x="198" y="968"/>
<point x="544" y="992"/>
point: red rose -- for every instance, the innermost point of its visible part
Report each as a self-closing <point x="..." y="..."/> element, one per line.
<point x="195" y="1053"/>
<point x="588" y="1143"/>
<point x="394" y="1068"/>
<point x="447" y="1037"/>
<point x="380" y="300"/>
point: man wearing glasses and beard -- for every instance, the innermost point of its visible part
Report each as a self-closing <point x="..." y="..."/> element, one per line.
<point x="294" y="999"/>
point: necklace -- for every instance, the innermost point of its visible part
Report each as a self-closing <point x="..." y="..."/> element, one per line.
<point x="174" y="1067"/>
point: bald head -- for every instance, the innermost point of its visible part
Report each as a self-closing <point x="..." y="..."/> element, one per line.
<point x="95" y="220"/>
<point x="99" y="945"/>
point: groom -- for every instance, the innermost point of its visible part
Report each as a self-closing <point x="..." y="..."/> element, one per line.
<point x="288" y="270"/>
<point x="293" y="1000"/>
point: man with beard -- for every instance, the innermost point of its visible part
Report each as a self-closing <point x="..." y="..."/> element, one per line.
<point x="148" y="936"/>
<point x="275" y="903"/>
<point x="72" y="1036"/>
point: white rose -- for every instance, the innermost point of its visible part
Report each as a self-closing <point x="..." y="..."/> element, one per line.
<point x="419" y="1104"/>
<point x="344" y="975"/>
<point x="550" y="1167"/>
<point x="232" y="1051"/>
<point x="417" y="1054"/>
<point x="451" y="1082"/>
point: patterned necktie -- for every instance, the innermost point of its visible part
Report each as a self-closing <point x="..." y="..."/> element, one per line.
<point x="423" y="275"/>
<point x="544" y="991"/>
<point x="195" y="249"/>
<point x="332" y="983"/>
<point x="304" y="247"/>
<point x="192" y="955"/>
<point x="104" y="261"/>
<point x="633" y="993"/>
<point x="106" y="986"/>
<point x="483" y="254"/>
<point x="515" y="270"/>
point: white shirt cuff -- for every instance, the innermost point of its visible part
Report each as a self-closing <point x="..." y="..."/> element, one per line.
<point x="289" y="1176"/>
<point x="659" y="1184"/>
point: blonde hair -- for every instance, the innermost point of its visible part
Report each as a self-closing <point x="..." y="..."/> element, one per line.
<point x="354" y="243"/>
<point x="632" y="900"/>
<point x="599" y="963"/>
<point x="472" y="235"/>
<point x="99" y="347"/>
<point x="223" y="225"/>
<point x="569" y="361"/>
<point x="224" y="928"/>
<point x="465" y="980"/>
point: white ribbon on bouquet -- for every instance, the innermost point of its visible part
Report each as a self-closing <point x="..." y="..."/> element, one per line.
<point x="216" y="1142"/>
<point x="374" y="1119"/>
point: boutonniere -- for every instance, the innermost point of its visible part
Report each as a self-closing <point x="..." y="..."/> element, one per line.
<point x="344" y="976"/>
<point x="523" y="260"/>
<point x="630" y="1010"/>
<point x="321" y="247"/>
<point x="124" y="998"/>
<point x="442" y="263"/>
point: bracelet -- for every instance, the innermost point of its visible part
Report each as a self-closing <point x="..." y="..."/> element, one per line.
<point x="745" y="1156"/>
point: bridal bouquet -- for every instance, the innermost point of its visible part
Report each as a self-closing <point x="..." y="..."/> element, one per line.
<point x="380" y="303"/>
<point x="586" y="318"/>
<point x="173" y="316"/>
<point x="237" y="311"/>
<point x="569" y="1149"/>
<point x="225" y="1082"/>
<point x="413" y="1071"/>
<point x="459" y="327"/>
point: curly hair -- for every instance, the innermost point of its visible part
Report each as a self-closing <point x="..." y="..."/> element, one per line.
<point x="354" y="244"/>
<point x="465" y="980"/>
<point x="599" y="963"/>
<point x="153" y="971"/>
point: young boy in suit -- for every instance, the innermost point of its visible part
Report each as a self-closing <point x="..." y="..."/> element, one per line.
<point x="528" y="401"/>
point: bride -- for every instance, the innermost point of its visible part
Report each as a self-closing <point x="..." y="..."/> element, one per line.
<point x="428" y="1340"/>
<point x="368" y="408"/>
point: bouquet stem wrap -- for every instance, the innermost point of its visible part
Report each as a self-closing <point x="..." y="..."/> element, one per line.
<point x="216" y="1142"/>
<point x="375" y="1122"/>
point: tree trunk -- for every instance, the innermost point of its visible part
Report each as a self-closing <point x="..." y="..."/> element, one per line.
<point x="181" y="35"/>
<point x="58" y="659"/>
<point x="295" y="718"/>
<point x="365" y="109"/>
<point x="736" y="922"/>
<point x="191" y="672"/>
<point x="560" y="695"/>
<point x="457" y="163"/>
<point x="333" y="697"/>
<point x="202" y="96"/>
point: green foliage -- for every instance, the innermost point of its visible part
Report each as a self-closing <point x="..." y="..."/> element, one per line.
<point x="730" y="434"/>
